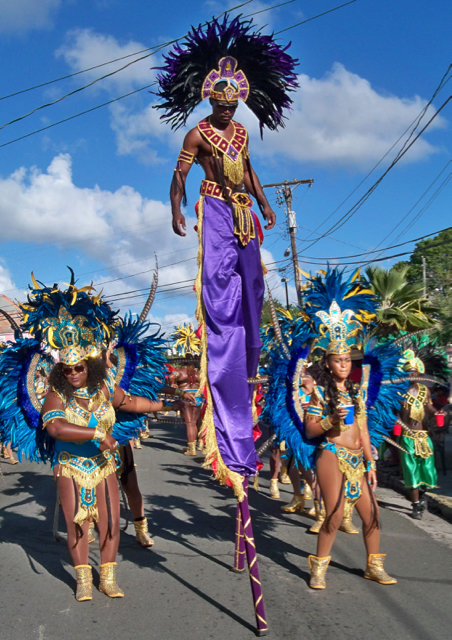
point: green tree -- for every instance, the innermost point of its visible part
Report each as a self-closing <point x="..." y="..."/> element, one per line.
<point x="402" y="306"/>
<point x="437" y="253"/>
<point x="266" y="314"/>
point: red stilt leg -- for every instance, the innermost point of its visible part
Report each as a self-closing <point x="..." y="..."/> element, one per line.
<point x="250" y="547"/>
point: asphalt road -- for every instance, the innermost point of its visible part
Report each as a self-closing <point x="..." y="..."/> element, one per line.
<point x="183" y="586"/>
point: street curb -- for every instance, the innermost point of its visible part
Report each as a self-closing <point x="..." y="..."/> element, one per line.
<point x="437" y="503"/>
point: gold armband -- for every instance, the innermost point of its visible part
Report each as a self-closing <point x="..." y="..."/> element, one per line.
<point x="184" y="156"/>
<point x="326" y="424"/>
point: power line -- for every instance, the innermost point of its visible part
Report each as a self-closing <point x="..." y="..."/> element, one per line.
<point x="414" y="125"/>
<point x="153" y="50"/>
<point x="77" y="115"/>
<point x="314" y="17"/>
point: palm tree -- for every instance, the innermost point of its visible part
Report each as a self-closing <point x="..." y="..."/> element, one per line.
<point x="402" y="306"/>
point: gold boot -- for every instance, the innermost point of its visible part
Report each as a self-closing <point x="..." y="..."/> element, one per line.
<point x="83" y="573"/>
<point x="137" y="443"/>
<point x="320" y="515"/>
<point x="283" y="475"/>
<point x="107" y="583"/>
<point x="91" y="537"/>
<point x="296" y="504"/>
<point x="318" y="568"/>
<point x="347" y="525"/>
<point x="307" y="492"/>
<point x="274" y="489"/>
<point x="375" y="570"/>
<point x="190" y="449"/>
<point x="142" y="534"/>
<point x="200" y="445"/>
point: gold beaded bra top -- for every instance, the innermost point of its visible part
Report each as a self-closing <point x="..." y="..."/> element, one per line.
<point x="98" y="405"/>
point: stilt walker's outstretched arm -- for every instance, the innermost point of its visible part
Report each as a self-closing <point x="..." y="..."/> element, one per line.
<point x="250" y="547"/>
<point x="239" y="552"/>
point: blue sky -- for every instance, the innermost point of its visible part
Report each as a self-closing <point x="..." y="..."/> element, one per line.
<point x="92" y="193"/>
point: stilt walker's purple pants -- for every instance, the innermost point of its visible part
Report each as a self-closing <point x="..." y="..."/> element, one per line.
<point x="232" y="292"/>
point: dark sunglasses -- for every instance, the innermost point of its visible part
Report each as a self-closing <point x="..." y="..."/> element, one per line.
<point x="78" y="368"/>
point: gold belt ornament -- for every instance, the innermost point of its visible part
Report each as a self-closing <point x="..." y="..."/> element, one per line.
<point x="244" y="224"/>
<point x="422" y="447"/>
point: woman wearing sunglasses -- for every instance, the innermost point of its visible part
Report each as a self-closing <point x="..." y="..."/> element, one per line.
<point x="79" y="412"/>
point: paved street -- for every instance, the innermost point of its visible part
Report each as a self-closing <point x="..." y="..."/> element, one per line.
<point x="183" y="587"/>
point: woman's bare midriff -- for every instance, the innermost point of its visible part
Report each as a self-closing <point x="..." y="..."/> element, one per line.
<point x="350" y="439"/>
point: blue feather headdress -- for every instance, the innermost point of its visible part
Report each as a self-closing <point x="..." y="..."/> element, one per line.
<point x="339" y="308"/>
<point x="73" y="321"/>
<point x="263" y="74"/>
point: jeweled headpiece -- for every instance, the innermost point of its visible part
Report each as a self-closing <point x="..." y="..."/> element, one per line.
<point x="73" y="321"/>
<point x="338" y="330"/>
<point x="339" y="308"/>
<point x="236" y="88"/>
<point x="255" y="68"/>
<point x="412" y="362"/>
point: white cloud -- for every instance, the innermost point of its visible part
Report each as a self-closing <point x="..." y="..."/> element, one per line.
<point x="120" y="229"/>
<point x="85" y="48"/>
<point x="340" y="119"/>
<point x="18" y="16"/>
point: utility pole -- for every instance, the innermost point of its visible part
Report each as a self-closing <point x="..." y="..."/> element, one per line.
<point x="292" y="223"/>
<point x="286" y="280"/>
<point x="424" y="275"/>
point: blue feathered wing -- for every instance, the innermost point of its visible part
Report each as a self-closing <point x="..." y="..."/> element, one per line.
<point x="24" y="368"/>
<point x="140" y="371"/>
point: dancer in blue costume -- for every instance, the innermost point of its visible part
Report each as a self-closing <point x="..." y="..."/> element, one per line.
<point x="335" y="310"/>
<point x="77" y="398"/>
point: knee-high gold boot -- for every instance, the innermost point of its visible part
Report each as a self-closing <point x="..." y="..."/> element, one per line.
<point x="375" y="570"/>
<point x="347" y="525"/>
<point x="320" y="515"/>
<point x="142" y="533"/>
<point x="84" y="576"/>
<point x="318" y="568"/>
<point x="108" y="583"/>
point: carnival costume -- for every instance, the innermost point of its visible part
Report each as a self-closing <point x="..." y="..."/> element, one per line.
<point x="335" y="311"/>
<point x="79" y="326"/>
<point x="229" y="285"/>
<point x="226" y="61"/>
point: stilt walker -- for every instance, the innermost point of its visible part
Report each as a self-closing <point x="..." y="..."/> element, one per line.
<point x="224" y="62"/>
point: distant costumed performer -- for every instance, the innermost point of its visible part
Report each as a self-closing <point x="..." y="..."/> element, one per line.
<point x="226" y="62"/>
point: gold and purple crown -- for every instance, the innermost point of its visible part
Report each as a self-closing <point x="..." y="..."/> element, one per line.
<point x="237" y="86"/>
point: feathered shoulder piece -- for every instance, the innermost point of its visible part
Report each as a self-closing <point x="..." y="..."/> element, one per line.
<point x="140" y="369"/>
<point x="249" y="65"/>
<point x="384" y="383"/>
<point x="24" y="368"/>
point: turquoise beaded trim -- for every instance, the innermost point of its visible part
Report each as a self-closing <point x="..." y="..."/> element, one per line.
<point x="52" y="415"/>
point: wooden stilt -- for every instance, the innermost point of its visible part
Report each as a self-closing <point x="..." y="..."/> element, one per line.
<point x="250" y="548"/>
<point x="239" y="553"/>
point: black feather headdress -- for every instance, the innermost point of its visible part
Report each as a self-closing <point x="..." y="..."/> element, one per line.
<point x="269" y="69"/>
